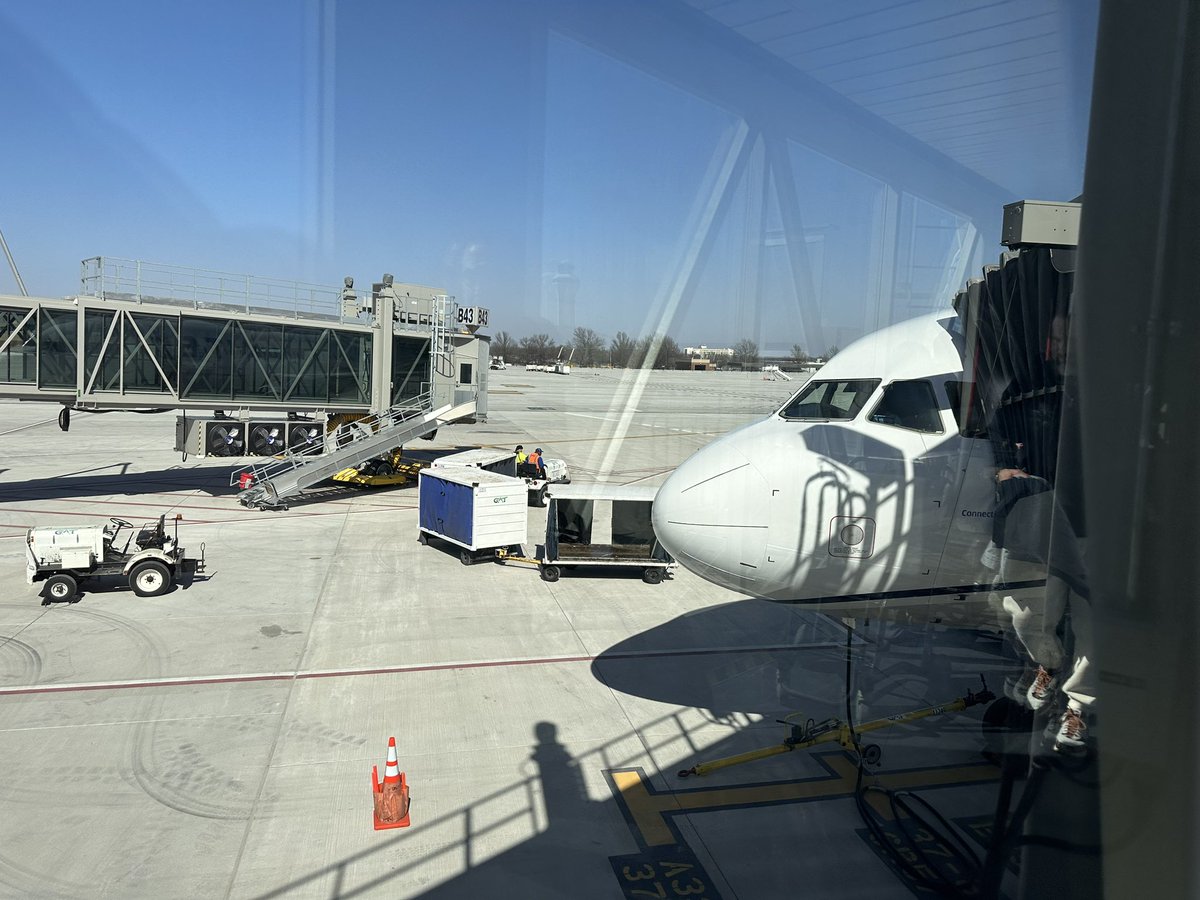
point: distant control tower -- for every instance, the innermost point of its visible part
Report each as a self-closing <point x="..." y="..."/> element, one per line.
<point x="566" y="283"/>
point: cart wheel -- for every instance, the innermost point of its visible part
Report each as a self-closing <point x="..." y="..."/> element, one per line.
<point x="422" y="538"/>
<point x="541" y="496"/>
<point x="550" y="573"/>
<point x="871" y="754"/>
<point x="61" y="587"/>
<point x="149" y="578"/>
<point x="652" y="576"/>
<point x="465" y="557"/>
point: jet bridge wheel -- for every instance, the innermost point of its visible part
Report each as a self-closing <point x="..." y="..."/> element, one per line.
<point x="61" y="587"/>
<point x="150" y="578"/>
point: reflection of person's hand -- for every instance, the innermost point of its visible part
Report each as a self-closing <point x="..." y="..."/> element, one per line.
<point x="1005" y="474"/>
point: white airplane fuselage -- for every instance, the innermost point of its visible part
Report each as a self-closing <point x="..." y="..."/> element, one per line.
<point x="861" y="486"/>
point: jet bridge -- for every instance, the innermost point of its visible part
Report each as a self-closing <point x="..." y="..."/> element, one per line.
<point x="256" y="355"/>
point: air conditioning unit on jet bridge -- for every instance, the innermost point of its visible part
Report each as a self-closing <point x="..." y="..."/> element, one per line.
<point x="258" y="437"/>
<point x="210" y="437"/>
<point x="266" y="438"/>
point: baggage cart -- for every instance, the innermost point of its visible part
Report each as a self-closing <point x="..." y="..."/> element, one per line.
<point x="477" y="511"/>
<point x="603" y="525"/>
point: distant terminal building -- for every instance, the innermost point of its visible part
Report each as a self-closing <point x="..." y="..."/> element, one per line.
<point x="703" y="359"/>
<point x="709" y="352"/>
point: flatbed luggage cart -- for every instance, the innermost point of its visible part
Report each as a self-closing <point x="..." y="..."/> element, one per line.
<point x="602" y="525"/>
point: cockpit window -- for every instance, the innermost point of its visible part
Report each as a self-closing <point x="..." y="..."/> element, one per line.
<point x="909" y="404"/>
<point x="830" y="399"/>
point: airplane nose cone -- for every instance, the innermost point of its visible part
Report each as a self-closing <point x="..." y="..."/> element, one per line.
<point x="710" y="515"/>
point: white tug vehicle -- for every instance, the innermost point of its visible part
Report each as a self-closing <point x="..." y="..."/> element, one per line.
<point x="65" y="556"/>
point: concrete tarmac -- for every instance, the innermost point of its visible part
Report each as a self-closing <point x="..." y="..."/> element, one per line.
<point x="217" y="741"/>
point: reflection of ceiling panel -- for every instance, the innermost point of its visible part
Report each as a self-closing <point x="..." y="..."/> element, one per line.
<point x="992" y="84"/>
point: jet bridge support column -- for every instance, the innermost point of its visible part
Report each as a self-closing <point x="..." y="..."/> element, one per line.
<point x="384" y="306"/>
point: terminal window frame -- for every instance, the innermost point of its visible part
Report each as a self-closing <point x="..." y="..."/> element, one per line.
<point x="922" y="416"/>
<point x="975" y="423"/>
<point x="825" y="401"/>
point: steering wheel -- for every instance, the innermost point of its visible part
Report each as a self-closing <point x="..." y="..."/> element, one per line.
<point x="121" y="522"/>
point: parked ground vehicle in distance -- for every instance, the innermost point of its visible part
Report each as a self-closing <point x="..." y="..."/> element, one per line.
<point x="65" y="557"/>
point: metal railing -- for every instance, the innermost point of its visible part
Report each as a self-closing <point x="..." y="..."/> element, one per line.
<point x="136" y="280"/>
<point x="345" y="436"/>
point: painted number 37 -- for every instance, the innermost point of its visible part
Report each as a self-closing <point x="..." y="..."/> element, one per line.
<point x="670" y="875"/>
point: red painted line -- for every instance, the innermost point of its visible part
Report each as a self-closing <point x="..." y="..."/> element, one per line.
<point x="232" y="507"/>
<point x="250" y="515"/>
<point x="395" y="670"/>
<point x="128" y="501"/>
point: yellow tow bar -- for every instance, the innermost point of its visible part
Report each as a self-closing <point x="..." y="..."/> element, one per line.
<point x="830" y="731"/>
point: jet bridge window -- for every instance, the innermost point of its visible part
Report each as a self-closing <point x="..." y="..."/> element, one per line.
<point x="824" y="400"/>
<point x="909" y="404"/>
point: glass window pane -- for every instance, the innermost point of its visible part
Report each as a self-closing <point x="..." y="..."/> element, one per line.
<point x="350" y="367"/>
<point x="18" y="362"/>
<point x="205" y="358"/>
<point x="96" y="327"/>
<point x="258" y="349"/>
<point x="823" y="400"/>
<point x="909" y="404"/>
<point x="305" y="364"/>
<point x="410" y="367"/>
<point x="56" y="348"/>
<point x="161" y="336"/>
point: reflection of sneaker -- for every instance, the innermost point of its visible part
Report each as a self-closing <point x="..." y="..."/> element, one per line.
<point x="1072" y="732"/>
<point x="1041" y="690"/>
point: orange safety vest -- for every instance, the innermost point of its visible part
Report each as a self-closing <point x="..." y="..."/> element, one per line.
<point x="534" y="459"/>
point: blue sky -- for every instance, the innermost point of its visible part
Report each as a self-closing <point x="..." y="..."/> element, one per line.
<point x="460" y="144"/>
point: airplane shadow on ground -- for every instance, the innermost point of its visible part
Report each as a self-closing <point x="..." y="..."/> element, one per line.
<point x="720" y="661"/>
<point x="759" y="657"/>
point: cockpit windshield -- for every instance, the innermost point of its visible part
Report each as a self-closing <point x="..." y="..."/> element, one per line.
<point x="824" y="400"/>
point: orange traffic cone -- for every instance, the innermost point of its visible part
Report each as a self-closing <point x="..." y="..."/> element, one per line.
<point x="391" y="794"/>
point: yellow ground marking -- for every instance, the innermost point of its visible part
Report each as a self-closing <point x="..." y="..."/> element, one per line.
<point x="648" y="810"/>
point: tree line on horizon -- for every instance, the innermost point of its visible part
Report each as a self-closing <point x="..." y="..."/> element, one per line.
<point x="623" y="351"/>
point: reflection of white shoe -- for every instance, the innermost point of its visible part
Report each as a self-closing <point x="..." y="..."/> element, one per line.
<point x="1041" y="690"/>
<point x="1072" y="732"/>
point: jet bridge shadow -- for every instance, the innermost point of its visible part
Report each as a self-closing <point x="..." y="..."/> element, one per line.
<point x="117" y="479"/>
<point x="908" y="498"/>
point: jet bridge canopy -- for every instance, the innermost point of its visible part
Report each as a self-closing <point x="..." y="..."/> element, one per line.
<point x="142" y="335"/>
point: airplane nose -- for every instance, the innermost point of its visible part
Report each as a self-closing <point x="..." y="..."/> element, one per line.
<point x="709" y="515"/>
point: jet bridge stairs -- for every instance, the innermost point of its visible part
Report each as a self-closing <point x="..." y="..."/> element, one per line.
<point x="285" y="477"/>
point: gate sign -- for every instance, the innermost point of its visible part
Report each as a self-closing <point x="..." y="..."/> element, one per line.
<point x="471" y="317"/>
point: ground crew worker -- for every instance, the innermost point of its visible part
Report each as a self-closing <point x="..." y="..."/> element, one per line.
<point x="535" y="460"/>
<point x="521" y="457"/>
